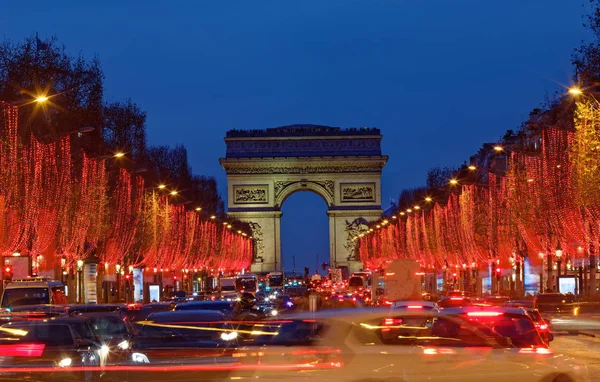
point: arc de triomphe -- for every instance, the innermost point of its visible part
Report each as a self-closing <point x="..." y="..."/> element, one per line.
<point x="343" y="166"/>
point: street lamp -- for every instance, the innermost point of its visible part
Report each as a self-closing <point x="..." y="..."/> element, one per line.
<point x="559" y="254"/>
<point x="541" y="255"/>
<point x="575" y="91"/>
<point x="80" y="281"/>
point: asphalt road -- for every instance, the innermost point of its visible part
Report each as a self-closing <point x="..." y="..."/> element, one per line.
<point x="583" y="349"/>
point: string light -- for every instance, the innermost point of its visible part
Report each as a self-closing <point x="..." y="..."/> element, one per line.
<point x="480" y="220"/>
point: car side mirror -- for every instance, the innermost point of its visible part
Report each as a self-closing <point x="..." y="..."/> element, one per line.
<point x="550" y="337"/>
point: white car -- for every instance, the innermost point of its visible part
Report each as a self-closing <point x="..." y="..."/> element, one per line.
<point x="389" y="345"/>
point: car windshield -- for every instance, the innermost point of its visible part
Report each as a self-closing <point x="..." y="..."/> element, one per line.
<point x="275" y="280"/>
<point x="247" y="284"/>
<point x="356" y="281"/>
<point x="108" y="326"/>
<point x="25" y="296"/>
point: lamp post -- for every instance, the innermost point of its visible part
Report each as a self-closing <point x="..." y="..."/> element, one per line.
<point x="559" y="254"/>
<point x="118" y="274"/>
<point x="549" y="260"/>
<point x="80" y="281"/>
<point x="541" y="254"/>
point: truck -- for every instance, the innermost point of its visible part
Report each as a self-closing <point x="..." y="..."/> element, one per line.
<point x="32" y="291"/>
<point x="226" y="288"/>
<point x="401" y="281"/>
<point x="275" y="282"/>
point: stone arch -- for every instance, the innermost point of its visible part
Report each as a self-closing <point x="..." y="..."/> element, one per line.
<point x="342" y="166"/>
<point x="318" y="188"/>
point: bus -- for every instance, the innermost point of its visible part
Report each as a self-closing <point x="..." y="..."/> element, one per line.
<point x="275" y="281"/>
<point x="246" y="283"/>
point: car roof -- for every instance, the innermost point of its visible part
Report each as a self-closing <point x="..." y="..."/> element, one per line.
<point x="517" y="311"/>
<point x="39" y="308"/>
<point x="53" y="320"/>
<point x="203" y="304"/>
<point x="96" y="307"/>
<point x="414" y="302"/>
<point x="186" y="315"/>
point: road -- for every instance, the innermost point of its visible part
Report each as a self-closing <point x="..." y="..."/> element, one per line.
<point x="584" y="349"/>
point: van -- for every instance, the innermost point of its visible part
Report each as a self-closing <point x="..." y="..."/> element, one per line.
<point x="32" y="291"/>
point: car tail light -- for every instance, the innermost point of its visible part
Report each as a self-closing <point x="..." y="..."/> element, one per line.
<point x="457" y="298"/>
<point x="415" y="306"/>
<point x="484" y="314"/>
<point x="390" y="322"/>
<point x="22" y="350"/>
<point x="542" y="326"/>
<point x="542" y="351"/>
<point x="387" y="302"/>
<point x="434" y="351"/>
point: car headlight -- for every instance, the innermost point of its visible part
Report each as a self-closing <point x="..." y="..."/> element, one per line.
<point x="103" y="351"/>
<point x="274" y="312"/>
<point x="65" y="362"/>
<point x="123" y="345"/>
<point x="229" y="336"/>
<point x="140" y="358"/>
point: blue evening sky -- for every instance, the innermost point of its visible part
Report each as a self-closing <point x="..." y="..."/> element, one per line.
<point x="438" y="77"/>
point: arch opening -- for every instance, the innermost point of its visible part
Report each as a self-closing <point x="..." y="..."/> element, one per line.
<point x="309" y="246"/>
<point x="304" y="185"/>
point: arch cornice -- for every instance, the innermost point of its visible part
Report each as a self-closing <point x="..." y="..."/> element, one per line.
<point x="322" y="188"/>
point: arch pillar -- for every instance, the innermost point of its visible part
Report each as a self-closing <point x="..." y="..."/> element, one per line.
<point x="341" y="245"/>
<point x="266" y="231"/>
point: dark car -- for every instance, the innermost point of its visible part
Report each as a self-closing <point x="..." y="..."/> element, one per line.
<point x="63" y="345"/>
<point x="140" y="313"/>
<point x="542" y="325"/>
<point x="185" y="336"/>
<point x="90" y="308"/>
<point x="512" y="323"/>
<point x="454" y="302"/>
<point x="496" y="300"/>
<point x="28" y="312"/>
<point x="220" y="305"/>
<point x="548" y="303"/>
<point x="114" y="330"/>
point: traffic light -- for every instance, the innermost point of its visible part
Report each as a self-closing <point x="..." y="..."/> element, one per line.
<point x="498" y="272"/>
<point x="8" y="273"/>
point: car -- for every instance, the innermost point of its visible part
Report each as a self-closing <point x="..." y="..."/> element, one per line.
<point x="28" y="312"/>
<point x="113" y="329"/>
<point x="58" y="348"/>
<point x="415" y="305"/>
<point x="513" y="323"/>
<point x="496" y="300"/>
<point x="220" y="305"/>
<point x="454" y="302"/>
<point x="519" y="304"/>
<point x="554" y="303"/>
<point x="542" y="325"/>
<point x="355" y="345"/>
<point x="140" y="313"/>
<point x="459" y="293"/>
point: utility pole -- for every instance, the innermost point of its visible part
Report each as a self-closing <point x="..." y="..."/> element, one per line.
<point x="294" y="264"/>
